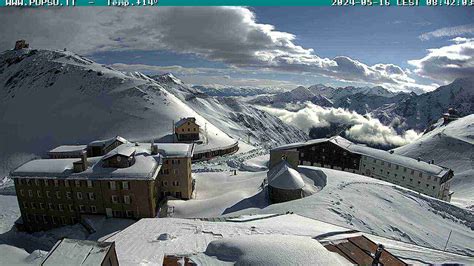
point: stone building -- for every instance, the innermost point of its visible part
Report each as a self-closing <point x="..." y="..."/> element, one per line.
<point x="124" y="183"/>
<point x="341" y="154"/>
<point x="21" y="44"/>
<point x="284" y="183"/>
<point x="186" y="129"/>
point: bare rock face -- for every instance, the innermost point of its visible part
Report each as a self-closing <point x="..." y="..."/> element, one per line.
<point x="21" y="44"/>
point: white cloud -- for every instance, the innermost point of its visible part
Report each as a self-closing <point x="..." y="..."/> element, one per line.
<point x="228" y="34"/>
<point x="448" y="62"/>
<point x="461" y="30"/>
<point x="361" y="128"/>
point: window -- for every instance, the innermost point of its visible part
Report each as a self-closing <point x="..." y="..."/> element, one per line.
<point x="126" y="199"/>
<point x="112" y="185"/>
<point x="71" y="208"/>
<point x="433" y="187"/>
<point x="58" y="194"/>
<point x="25" y="205"/>
<point x="38" y="193"/>
<point x="50" y="206"/>
<point x="125" y="185"/>
<point x="419" y="182"/>
<point x="93" y="209"/>
<point x="427" y="185"/>
<point x="63" y="220"/>
<point x="89" y="183"/>
<point x="178" y="194"/>
<point x="412" y="172"/>
<point x="48" y="195"/>
<point x="28" y="182"/>
<point x="383" y="163"/>
<point x="60" y="207"/>
<point x="45" y="219"/>
<point x="175" y="171"/>
<point x="79" y="195"/>
<point x="404" y="169"/>
<point x="411" y="179"/>
<point x="77" y="183"/>
<point x="46" y="183"/>
<point x="165" y="183"/>
<point x="91" y="196"/>
<point x="403" y="177"/>
<point x="129" y="213"/>
<point x="41" y="205"/>
<point x="68" y="195"/>
<point x="375" y="160"/>
<point x="37" y="183"/>
<point x="56" y="183"/>
<point x="420" y="175"/>
<point x="22" y="192"/>
<point x="30" y="193"/>
<point x="176" y="183"/>
<point x="66" y="183"/>
<point x="82" y="208"/>
<point x="396" y="167"/>
<point x="429" y="177"/>
<point x="33" y="205"/>
<point x="114" y="199"/>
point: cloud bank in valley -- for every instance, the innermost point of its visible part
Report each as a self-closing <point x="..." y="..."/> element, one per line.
<point x="361" y="128"/>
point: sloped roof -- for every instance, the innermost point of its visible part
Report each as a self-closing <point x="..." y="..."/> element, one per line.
<point x="184" y="120"/>
<point x="124" y="151"/>
<point x="77" y="252"/>
<point x="284" y="177"/>
<point x="45" y="167"/>
<point x="106" y="142"/>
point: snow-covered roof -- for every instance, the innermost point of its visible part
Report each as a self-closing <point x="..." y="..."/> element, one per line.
<point x="124" y="151"/>
<point x="45" y="167"/>
<point x="284" y="177"/>
<point x="175" y="150"/>
<point x="68" y="149"/>
<point x="146" y="166"/>
<point x="184" y="120"/>
<point x="77" y="252"/>
<point x="106" y="142"/>
<point x="404" y="161"/>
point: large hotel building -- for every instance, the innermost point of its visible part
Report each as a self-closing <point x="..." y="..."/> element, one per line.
<point x="338" y="153"/>
<point x="112" y="177"/>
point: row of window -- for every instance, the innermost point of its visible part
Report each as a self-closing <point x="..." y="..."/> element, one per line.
<point x="194" y="130"/>
<point x="177" y="194"/>
<point x="167" y="171"/>
<point x="58" y="207"/>
<point x="174" y="183"/>
<point x="435" y="179"/>
<point x="125" y="185"/>
<point x="59" y="194"/>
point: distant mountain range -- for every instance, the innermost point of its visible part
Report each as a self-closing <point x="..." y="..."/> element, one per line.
<point x="409" y="110"/>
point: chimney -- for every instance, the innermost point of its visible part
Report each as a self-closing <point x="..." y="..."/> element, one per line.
<point x="418" y="159"/>
<point x="154" y="148"/>
<point x="391" y="151"/>
<point x="432" y="161"/>
<point x="84" y="159"/>
<point x="81" y="165"/>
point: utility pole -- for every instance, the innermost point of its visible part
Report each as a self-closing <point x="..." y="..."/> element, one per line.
<point x="449" y="236"/>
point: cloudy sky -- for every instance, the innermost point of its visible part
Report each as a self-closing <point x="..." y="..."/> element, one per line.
<point x="411" y="49"/>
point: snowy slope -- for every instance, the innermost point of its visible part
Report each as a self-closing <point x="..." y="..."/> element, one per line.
<point x="450" y="145"/>
<point x="53" y="97"/>
<point x="348" y="200"/>
<point x="418" y="111"/>
<point x="235" y="117"/>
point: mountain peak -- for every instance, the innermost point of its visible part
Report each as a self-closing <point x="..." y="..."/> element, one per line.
<point x="170" y="78"/>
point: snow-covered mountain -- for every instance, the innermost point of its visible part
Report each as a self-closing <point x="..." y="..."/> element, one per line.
<point x="235" y="91"/>
<point x="418" y="111"/>
<point x="234" y="116"/>
<point x="450" y="145"/>
<point x="49" y="98"/>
